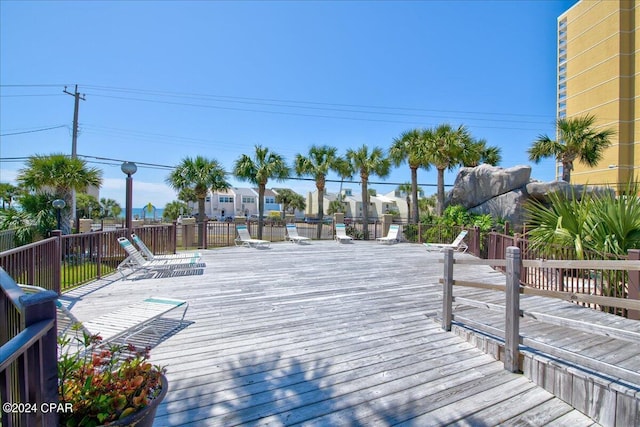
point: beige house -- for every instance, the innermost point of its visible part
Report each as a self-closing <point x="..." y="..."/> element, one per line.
<point x="378" y="204"/>
<point x="237" y="201"/>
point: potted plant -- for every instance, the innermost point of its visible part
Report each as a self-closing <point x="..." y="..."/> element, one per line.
<point x="108" y="385"/>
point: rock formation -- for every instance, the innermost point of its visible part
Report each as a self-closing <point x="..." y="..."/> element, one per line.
<point x="502" y="192"/>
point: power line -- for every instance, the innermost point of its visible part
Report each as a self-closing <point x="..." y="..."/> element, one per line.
<point x="237" y="98"/>
<point x="30" y="95"/>
<point x="34" y="130"/>
<point x="37" y="85"/>
<point x="104" y="160"/>
<point x="290" y="113"/>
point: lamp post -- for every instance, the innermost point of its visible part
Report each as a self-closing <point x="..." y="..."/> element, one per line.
<point x="128" y="168"/>
<point x="58" y="205"/>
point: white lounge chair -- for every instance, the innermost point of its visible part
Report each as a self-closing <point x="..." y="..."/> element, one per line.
<point x="244" y="239"/>
<point x="392" y="235"/>
<point x="146" y="252"/>
<point x="341" y="234"/>
<point x="119" y="325"/>
<point x="293" y="236"/>
<point x="138" y="317"/>
<point x="136" y="261"/>
<point x="457" y="244"/>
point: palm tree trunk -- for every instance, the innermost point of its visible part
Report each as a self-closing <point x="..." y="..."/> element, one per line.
<point x="201" y="230"/>
<point x="66" y="215"/>
<point x="320" y="187"/>
<point x="365" y="208"/>
<point x="414" y="194"/>
<point x="566" y="171"/>
<point x="440" y="198"/>
<point x="261" y="189"/>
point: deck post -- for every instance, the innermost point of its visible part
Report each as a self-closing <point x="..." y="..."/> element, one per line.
<point x="41" y="359"/>
<point x="512" y="310"/>
<point x="634" y="284"/>
<point x="447" y="290"/>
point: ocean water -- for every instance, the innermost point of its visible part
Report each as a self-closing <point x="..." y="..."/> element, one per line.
<point x="141" y="213"/>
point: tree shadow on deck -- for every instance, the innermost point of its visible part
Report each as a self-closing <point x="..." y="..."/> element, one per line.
<point x="271" y="389"/>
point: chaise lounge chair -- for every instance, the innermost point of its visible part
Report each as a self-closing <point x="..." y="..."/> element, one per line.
<point x="136" y="261"/>
<point x="392" y="235"/>
<point x="457" y="244"/>
<point x="293" y="236"/>
<point x="244" y="239"/>
<point x="146" y="252"/>
<point x="120" y="325"/>
<point x="341" y="234"/>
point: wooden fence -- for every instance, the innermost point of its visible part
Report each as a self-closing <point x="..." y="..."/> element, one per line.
<point x="512" y="336"/>
<point x="28" y="372"/>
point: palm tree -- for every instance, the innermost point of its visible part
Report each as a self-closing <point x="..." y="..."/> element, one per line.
<point x="62" y="174"/>
<point x="87" y="205"/>
<point x="263" y="166"/>
<point x="290" y="200"/>
<point x="577" y="140"/>
<point x="7" y="194"/>
<point x="445" y="148"/>
<point x="320" y="161"/>
<point x="476" y="152"/>
<point x="173" y="210"/>
<point x="200" y="175"/>
<point x="368" y="163"/>
<point x="110" y="208"/>
<point x="411" y="147"/>
<point x="407" y="189"/>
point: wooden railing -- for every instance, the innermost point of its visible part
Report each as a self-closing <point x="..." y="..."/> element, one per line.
<point x="62" y="262"/>
<point x="512" y="336"/>
<point x="569" y="275"/>
<point x="28" y="362"/>
<point x="7" y="240"/>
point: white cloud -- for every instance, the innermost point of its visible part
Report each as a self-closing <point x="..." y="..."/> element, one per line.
<point x="8" y="175"/>
<point x="143" y="192"/>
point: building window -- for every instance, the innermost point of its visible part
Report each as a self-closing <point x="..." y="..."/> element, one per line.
<point x="226" y="199"/>
<point x="269" y="199"/>
<point x="246" y="199"/>
<point x="207" y="199"/>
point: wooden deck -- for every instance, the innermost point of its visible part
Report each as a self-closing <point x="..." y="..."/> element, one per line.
<point x="323" y="334"/>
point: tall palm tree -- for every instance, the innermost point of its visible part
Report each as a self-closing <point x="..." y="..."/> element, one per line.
<point x="200" y="175"/>
<point x="368" y="163"/>
<point x="411" y="147"/>
<point x="407" y="189"/>
<point x="263" y="166"/>
<point x="476" y="152"/>
<point x="445" y="148"/>
<point x="60" y="174"/>
<point x="577" y="140"/>
<point x="318" y="163"/>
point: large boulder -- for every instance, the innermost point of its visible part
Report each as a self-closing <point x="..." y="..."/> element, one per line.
<point x="508" y="206"/>
<point x="475" y="186"/>
<point x="540" y="190"/>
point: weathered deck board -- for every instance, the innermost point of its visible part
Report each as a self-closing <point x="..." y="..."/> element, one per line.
<point x="324" y="334"/>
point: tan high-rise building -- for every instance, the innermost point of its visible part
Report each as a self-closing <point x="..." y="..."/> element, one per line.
<point x="598" y="75"/>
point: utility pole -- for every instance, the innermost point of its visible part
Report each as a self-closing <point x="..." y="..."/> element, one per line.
<point x="74" y="141"/>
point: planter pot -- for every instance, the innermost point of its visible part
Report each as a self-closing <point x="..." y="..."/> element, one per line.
<point x="144" y="417"/>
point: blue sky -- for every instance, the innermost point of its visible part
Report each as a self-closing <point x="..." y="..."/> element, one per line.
<point x="165" y="80"/>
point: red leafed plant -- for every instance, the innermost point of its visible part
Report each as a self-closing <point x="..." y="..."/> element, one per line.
<point x="104" y="383"/>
